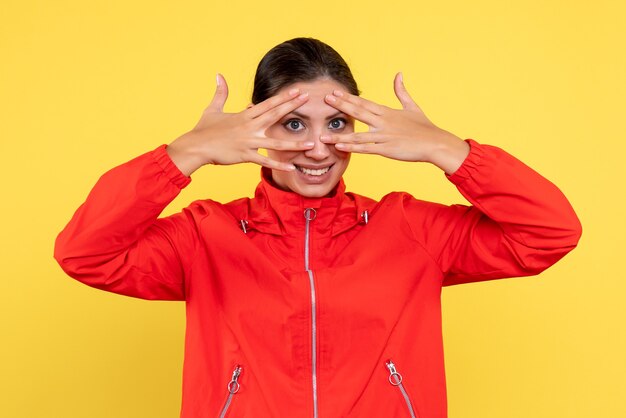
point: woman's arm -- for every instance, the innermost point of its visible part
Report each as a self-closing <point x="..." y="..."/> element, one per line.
<point x="115" y="240"/>
<point x="519" y="224"/>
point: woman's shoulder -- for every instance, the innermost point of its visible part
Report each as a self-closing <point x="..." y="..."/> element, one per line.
<point x="198" y="210"/>
<point x="397" y="200"/>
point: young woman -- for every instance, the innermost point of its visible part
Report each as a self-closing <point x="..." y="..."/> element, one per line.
<point x="306" y="300"/>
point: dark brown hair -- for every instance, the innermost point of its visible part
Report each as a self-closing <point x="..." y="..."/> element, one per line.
<point x="300" y="59"/>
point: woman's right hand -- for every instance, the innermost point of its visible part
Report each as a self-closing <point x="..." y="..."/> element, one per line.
<point x="231" y="138"/>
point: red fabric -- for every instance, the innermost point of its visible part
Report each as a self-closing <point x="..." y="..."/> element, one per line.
<point x="377" y="284"/>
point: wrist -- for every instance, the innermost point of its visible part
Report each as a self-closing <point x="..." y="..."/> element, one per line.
<point x="185" y="154"/>
<point x="449" y="152"/>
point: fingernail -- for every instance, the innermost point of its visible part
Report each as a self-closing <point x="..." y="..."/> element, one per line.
<point x="324" y="137"/>
<point x="291" y="168"/>
<point x="303" y="96"/>
<point x="217" y="79"/>
<point x="401" y="77"/>
<point x="330" y="98"/>
<point x="340" y="145"/>
<point x="338" y="93"/>
<point x="294" y="92"/>
<point x="309" y="144"/>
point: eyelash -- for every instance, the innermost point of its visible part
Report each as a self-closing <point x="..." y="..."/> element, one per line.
<point x="290" y="121"/>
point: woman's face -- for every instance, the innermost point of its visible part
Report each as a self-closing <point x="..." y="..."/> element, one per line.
<point x="319" y="169"/>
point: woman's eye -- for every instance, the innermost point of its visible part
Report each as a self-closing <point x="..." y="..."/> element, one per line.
<point x="294" y="125"/>
<point x="337" y="124"/>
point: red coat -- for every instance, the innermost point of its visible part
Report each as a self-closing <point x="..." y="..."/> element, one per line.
<point x="305" y="320"/>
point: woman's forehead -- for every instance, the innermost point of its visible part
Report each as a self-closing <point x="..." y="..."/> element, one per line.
<point x="316" y="106"/>
<point x="317" y="89"/>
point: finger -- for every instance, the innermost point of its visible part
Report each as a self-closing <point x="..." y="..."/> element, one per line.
<point x="354" y="138"/>
<point x="403" y="95"/>
<point x="260" y="108"/>
<point x="373" y="107"/>
<point x="273" y="115"/>
<point x="220" y="96"/>
<point x="281" y="144"/>
<point x="269" y="163"/>
<point x="356" y="110"/>
<point x="358" y="148"/>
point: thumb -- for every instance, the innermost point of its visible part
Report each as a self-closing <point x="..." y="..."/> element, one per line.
<point x="220" y="96"/>
<point x="403" y="95"/>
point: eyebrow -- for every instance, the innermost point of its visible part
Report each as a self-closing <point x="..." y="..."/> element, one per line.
<point x="302" y="116"/>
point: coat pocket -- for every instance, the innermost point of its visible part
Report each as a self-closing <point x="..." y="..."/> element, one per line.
<point x="233" y="388"/>
<point x="395" y="378"/>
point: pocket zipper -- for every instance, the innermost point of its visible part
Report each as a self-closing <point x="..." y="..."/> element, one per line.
<point x="232" y="387"/>
<point x="395" y="379"/>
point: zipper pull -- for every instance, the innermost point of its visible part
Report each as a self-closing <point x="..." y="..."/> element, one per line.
<point x="395" y="378"/>
<point x="233" y="385"/>
<point x="310" y="214"/>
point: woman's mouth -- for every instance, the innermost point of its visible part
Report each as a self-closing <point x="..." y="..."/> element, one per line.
<point x="313" y="171"/>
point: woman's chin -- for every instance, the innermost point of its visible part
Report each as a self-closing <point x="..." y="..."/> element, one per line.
<point x="314" y="190"/>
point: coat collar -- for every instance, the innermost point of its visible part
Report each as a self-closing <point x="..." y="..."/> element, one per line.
<point x="280" y="212"/>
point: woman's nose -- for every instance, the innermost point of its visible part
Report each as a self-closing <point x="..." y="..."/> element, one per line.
<point x="320" y="150"/>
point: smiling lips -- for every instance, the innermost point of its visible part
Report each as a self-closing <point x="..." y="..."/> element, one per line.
<point x="314" y="171"/>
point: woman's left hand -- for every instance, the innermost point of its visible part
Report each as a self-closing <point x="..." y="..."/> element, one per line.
<point x="402" y="134"/>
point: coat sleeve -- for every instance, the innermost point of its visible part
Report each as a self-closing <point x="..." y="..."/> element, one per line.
<point x="519" y="223"/>
<point x="115" y="242"/>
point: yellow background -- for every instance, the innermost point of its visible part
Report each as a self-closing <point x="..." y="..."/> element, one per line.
<point x="85" y="85"/>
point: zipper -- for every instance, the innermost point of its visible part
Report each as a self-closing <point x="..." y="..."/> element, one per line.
<point x="232" y="387"/>
<point x="395" y="379"/>
<point x="309" y="215"/>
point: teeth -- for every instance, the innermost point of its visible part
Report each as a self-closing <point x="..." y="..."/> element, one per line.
<point x="312" y="172"/>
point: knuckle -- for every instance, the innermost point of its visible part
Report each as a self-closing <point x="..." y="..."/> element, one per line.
<point x="276" y="144"/>
<point x="275" y="113"/>
<point x="353" y="99"/>
<point x="260" y="160"/>
<point x="273" y="101"/>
